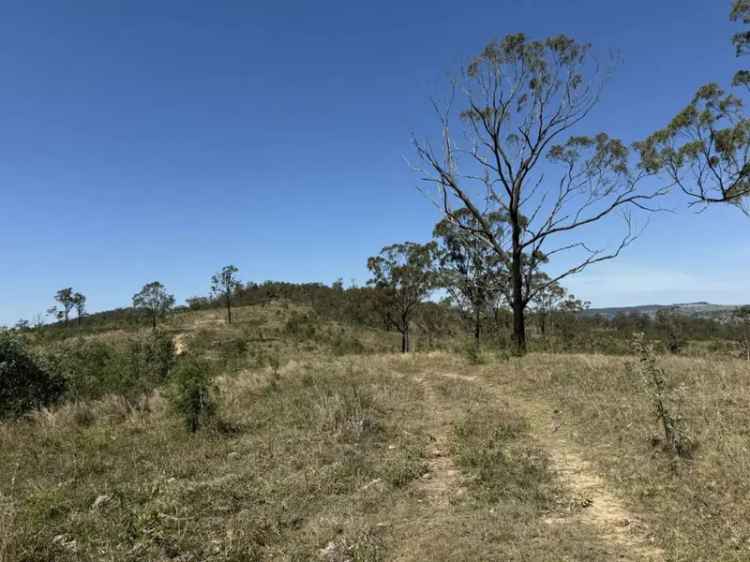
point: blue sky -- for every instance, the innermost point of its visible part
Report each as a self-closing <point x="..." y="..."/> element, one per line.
<point x="161" y="140"/>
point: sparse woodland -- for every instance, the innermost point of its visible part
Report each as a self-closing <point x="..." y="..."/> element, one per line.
<point x="460" y="405"/>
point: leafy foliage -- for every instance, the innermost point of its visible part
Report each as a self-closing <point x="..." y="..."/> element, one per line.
<point x="223" y="285"/>
<point x="676" y="436"/>
<point x="150" y="358"/>
<point x="25" y="383"/>
<point x="154" y="300"/>
<point x="68" y="300"/>
<point x="741" y="12"/>
<point x="94" y="368"/>
<point x="192" y="393"/>
<point x="705" y="149"/>
<point x="404" y="275"/>
<point x="522" y="98"/>
<point x="79" y="303"/>
<point x="472" y="272"/>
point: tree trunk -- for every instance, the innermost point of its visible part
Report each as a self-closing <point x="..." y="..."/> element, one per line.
<point x="477" y="326"/>
<point x="405" y="344"/>
<point x="153" y="321"/>
<point x="519" y="321"/>
<point x="229" y="310"/>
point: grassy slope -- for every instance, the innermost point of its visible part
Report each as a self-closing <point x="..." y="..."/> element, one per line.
<point x="381" y="457"/>
<point x="328" y="457"/>
<point x="696" y="508"/>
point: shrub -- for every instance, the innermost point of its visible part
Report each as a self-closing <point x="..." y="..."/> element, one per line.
<point x="473" y="354"/>
<point x="675" y="431"/>
<point x="150" y="358"/>
<point x="94" y="368"/>
<point x="89" y="367"/>
<point x="25" y="383"/>
<point x="233" y="347"/>
<point x="191" y="393"/>
<point x="343" y="343"/>
<point x="301" y="326"/>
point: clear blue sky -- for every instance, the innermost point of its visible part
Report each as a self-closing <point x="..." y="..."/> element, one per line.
<point x="151" y="140"/>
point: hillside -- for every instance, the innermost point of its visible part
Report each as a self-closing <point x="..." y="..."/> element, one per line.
<point x="327" y="447"/>
<point x="694" y="309"/>
<point x="323" y="444"/>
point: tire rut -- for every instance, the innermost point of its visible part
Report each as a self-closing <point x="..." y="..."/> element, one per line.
<point x="592" y="502"/>
<point x="442" y="480"/>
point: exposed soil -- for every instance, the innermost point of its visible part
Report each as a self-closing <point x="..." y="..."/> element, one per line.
<point x="592" y="502"/>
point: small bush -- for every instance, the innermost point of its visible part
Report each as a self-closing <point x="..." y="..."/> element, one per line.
<point x="231" y="350"/>
<point x="192" y="392"/>
<point x="675" y="431"/>
<point x="473" y="353"/>
<point x="301" y="326"/>
<point x="350" y="413"/>
<point x="147" y="363"/>
<point x="405" y="468"/>
<point x="93" y="368"/>
<point x="152" y="356"/>
<point x="83" y="415"/>
<point x="343" y="343"/>
<point x="90" y="368"/>
<point x="25" y="383"/>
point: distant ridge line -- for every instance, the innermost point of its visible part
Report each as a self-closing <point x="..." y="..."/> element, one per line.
<point x="698" y="308"/>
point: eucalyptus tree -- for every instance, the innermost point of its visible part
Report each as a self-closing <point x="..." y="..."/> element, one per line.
<point x="66" y="298"/>
<point x="705" y="148"/>
<point x="154" y="300"/>
<point x="741" y="40"/>
<point x="519" y="103"/>
<point x="223" y="285"/>
<point x="547" y="301"/>
<point x="79" y="303"/>
<point x="469" y="268"/>
<point x="403" y="276"/>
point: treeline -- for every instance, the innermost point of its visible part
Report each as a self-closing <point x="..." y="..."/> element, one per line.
<point x="560" y="322"/>
<point x="557" y="322"/>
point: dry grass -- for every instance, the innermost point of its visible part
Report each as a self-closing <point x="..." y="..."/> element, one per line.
<point x="372" y="457"/>
<point x="331" y="460"/>
<point x="696" y="509"/>
<point x="291" y="478"/>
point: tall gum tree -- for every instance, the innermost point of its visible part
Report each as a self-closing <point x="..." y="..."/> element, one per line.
<point x="403" y="276"/>
<point x="514" y="152"/>
<point x="224" y="284"/>
<point x="79" y="303"/>
<point x="67" y="299"/>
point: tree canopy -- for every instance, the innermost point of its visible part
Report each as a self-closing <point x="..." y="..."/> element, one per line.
<point x="224" y="284"/>
<point x="154" y="300"/>
<point x="520" y="101"/>
<point x="404" y="276"/>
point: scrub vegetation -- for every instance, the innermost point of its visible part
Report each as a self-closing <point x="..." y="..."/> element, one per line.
<point x="461" y="406"/>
